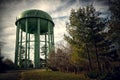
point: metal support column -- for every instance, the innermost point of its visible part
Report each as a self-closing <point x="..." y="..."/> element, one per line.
<point x="26" y="30"/>
<point x="29" y="46"/>
<point x="52" y="37"/>
<point x="17" y="45"/>
<point x="45" y="50"/>
<point x="37" y="46"/>
<point x="21" y="47"/>
<point x="49" y="38"/>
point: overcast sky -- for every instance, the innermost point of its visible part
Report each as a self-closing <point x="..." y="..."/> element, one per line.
<point x="58" y="9"/>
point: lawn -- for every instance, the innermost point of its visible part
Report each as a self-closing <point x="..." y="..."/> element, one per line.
<point x="10" y="76"/>
<point x="50" y="75"/>
<point x="42" y="75"/>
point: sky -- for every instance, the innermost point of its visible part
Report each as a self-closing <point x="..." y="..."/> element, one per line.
<point x="59" y="10"/>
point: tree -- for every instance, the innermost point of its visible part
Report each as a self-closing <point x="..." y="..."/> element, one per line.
<point x="114" y="39"/>
<point x="9" y="64"/>
<point x="52" y="61"/>
<point x="75" y="37"/>
<point x="2" y="65"/>
<point x="114" y="21"/>
<point x="59" y="59"/>
<point x="84" y="31"/>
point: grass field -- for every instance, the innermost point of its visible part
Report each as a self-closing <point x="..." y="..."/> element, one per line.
<point x="41" y="75"/>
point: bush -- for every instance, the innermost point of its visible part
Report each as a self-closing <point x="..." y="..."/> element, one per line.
<point x="93" y="74"/>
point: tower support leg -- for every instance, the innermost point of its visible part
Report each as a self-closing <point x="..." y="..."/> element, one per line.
<point x="37" y="46"/>
<point x="26" y="46"/>
<point x="17" y="45"/>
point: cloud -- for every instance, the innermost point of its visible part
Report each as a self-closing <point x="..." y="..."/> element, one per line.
<point x="59" y="30"/>
<point x="65" y="5"/>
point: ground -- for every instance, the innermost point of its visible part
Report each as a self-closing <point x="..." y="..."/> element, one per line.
<point x="12" y="75"/>
<point x="41" y="75"/>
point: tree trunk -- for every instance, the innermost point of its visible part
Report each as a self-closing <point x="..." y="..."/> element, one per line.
<point x="89" y="59"/>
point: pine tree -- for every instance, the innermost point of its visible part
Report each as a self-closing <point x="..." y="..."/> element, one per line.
<point x="114" y="38"/>
<point x="84" y="32"/>
<point x="114" y="22"/>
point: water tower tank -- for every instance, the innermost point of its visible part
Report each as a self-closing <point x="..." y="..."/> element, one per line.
<point x="32" y="16"/>
<point x="34" y="27"/>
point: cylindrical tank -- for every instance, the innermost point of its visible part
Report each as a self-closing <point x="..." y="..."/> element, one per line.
<point x="32" y="16"/>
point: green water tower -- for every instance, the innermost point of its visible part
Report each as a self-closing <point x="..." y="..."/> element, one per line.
<point x="34" y="31"/>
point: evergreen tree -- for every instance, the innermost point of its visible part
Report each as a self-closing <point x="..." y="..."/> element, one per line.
<point x="114" y="22"/>
<point x="114" y="40"/>
<point x="84" y="32"/>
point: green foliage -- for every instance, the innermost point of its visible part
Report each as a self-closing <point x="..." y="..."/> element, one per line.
<point x="84" y="32"/>
<point x="114" y="7"/>
<point x="114" y="21"/>
<point x="81" y="23"/>
<point x="77" y="57"/>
